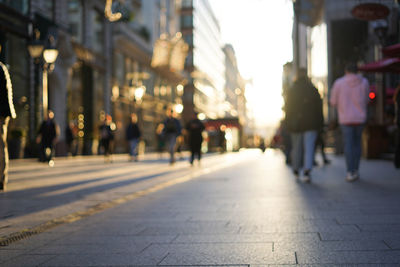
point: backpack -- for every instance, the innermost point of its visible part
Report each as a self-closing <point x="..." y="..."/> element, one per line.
<point x="170" y="126"/>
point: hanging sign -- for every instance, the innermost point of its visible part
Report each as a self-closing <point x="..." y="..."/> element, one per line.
<point x="370" y="11"/>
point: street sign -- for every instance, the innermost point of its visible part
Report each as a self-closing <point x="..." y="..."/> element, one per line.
<point x="370" y="11"/>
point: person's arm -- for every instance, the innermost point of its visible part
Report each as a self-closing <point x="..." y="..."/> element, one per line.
<point x="333" y="100"/>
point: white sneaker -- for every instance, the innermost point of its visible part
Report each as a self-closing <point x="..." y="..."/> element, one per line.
<point x="351" y="177"/>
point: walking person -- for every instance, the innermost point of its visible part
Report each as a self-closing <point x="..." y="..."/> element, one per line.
<point x="195" y="130"/>
<point x="106" y="138"/>
<point x="6" y="112"/>
<point x="133" y="135"/>
<point x="71" y="134"/>
<point x="172" y="129"/>
<point x="304" y="119"/>
<point x="47" y="138"/>
<point x="350" y="97"/>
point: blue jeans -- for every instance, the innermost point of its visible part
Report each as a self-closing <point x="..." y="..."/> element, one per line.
<point x="303" y="149"/>
<point x="133" y="146"/>
<point x="352" y="146"/>
<point x="171" y="139"/>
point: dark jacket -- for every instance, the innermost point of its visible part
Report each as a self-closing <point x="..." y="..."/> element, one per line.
<point x="172" y="126"/>
<point x="195" y="129"/>
<point x="133" y="131"/>
<point x="303" y="107"/>
<point x="6" y="99"/>
<point x="48" y="132"/>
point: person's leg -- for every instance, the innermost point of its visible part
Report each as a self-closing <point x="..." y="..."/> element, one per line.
<point x="171" y="147"/>
<point x="309" y="149"/>
<point x="297" y="151"/>
<point x="347" y="132"/>
<point x="192" y="153"/>
<point x="357" y="147"/>
<point x="3" y="153"/>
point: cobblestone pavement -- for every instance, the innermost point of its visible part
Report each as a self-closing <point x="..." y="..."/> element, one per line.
<point x="240" y="209"/>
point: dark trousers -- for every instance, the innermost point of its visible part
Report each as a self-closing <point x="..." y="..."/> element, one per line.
<point x="46" y="152"/>
<point x="195" y="150"/>
<point x="397" y="150"/>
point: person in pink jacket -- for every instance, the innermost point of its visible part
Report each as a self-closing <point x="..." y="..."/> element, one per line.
<point x="350" y="97"/>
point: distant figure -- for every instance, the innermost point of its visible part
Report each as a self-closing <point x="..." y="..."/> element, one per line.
<point x="106" y="138"/>
<point x="6" y="112"/>
<point x="195" y="130"/>
<point x="133" y="135"/>
<point x="47" y="138"/>
<point x="303" y="120"/>
<point x="221" y="139"/>
<point x="160" y="139"/>
<point x="71" y="133"/>
<point x="350" y="96"/>
<point x="396" y="100"/>
<point x="172" y="129"/>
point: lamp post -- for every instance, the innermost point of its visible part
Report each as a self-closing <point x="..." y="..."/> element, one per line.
<point x="36" y="50"/>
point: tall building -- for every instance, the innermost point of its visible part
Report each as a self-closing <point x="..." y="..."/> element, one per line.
<point x="204" y="92"/>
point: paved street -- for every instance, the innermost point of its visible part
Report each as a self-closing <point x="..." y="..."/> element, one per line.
<point x="239" y="209"/>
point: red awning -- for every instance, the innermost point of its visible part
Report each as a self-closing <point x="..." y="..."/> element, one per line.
<point x="392" y="50"/>
<point x="384" y="65"/>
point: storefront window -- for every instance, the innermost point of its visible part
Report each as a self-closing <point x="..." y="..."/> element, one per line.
<point x="98" y="31"/>
<point x="98" y="83"/>
<point x="19" y="5"/>
<point x="75" y="19"/>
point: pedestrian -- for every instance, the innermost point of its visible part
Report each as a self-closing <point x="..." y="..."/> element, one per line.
<point x="160" y="139"/>
<point x="47" y="138"/>
<point x="7" y="111"/>
<point x="349" y="96"/>
<point x="172" y="129"/>
<point x="396" y="100"/>
<point x="106" y="138"/>
<point x="71" y="133"/>
<point x="133" y="135"/>
<point x="304" y="119"/>
<point x="195" y="130"/>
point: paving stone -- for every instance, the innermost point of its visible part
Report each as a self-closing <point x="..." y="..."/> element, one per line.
<point x="349" y="257"/>
<point x="248" y="238"/>
<point x="327" y="246"/>
<point x="27" y="260"/>
<point x="220" y="254"/>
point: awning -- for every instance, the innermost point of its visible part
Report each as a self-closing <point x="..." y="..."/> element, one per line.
<point x="216" y="124"/>
<point x="392" y="51"/>
<point x="384" y="65"/>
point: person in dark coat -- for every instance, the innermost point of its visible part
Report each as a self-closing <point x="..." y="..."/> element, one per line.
<point x="7" y="111"/>
<point x="172" y="129"/>
<point x="304" y="119"/>
<point x="47" y="137"/>
<point x="133" y="135"/>
<point x="195" y="130"/>
<point x="106" y="138"/>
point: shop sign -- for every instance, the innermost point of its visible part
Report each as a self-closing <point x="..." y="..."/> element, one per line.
<point x="370" y="11"/>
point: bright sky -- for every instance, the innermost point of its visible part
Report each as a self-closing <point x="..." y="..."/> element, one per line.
<point x="261" y="34"/>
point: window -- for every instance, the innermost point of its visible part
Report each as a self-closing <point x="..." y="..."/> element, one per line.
<point x="98" y="31"/>
<point x="19" y="5"/>
<point x="187" y="3"/>
<point x="75" y="19"/>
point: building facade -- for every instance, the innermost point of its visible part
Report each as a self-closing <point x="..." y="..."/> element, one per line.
<point x="204" y="92"/>
<point x="103" y="67"/>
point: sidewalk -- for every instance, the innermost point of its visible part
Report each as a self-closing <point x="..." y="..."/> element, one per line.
<point x="239" y="209"/>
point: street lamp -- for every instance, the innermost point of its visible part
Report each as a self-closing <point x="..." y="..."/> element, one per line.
<point x="36" y="50"/>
